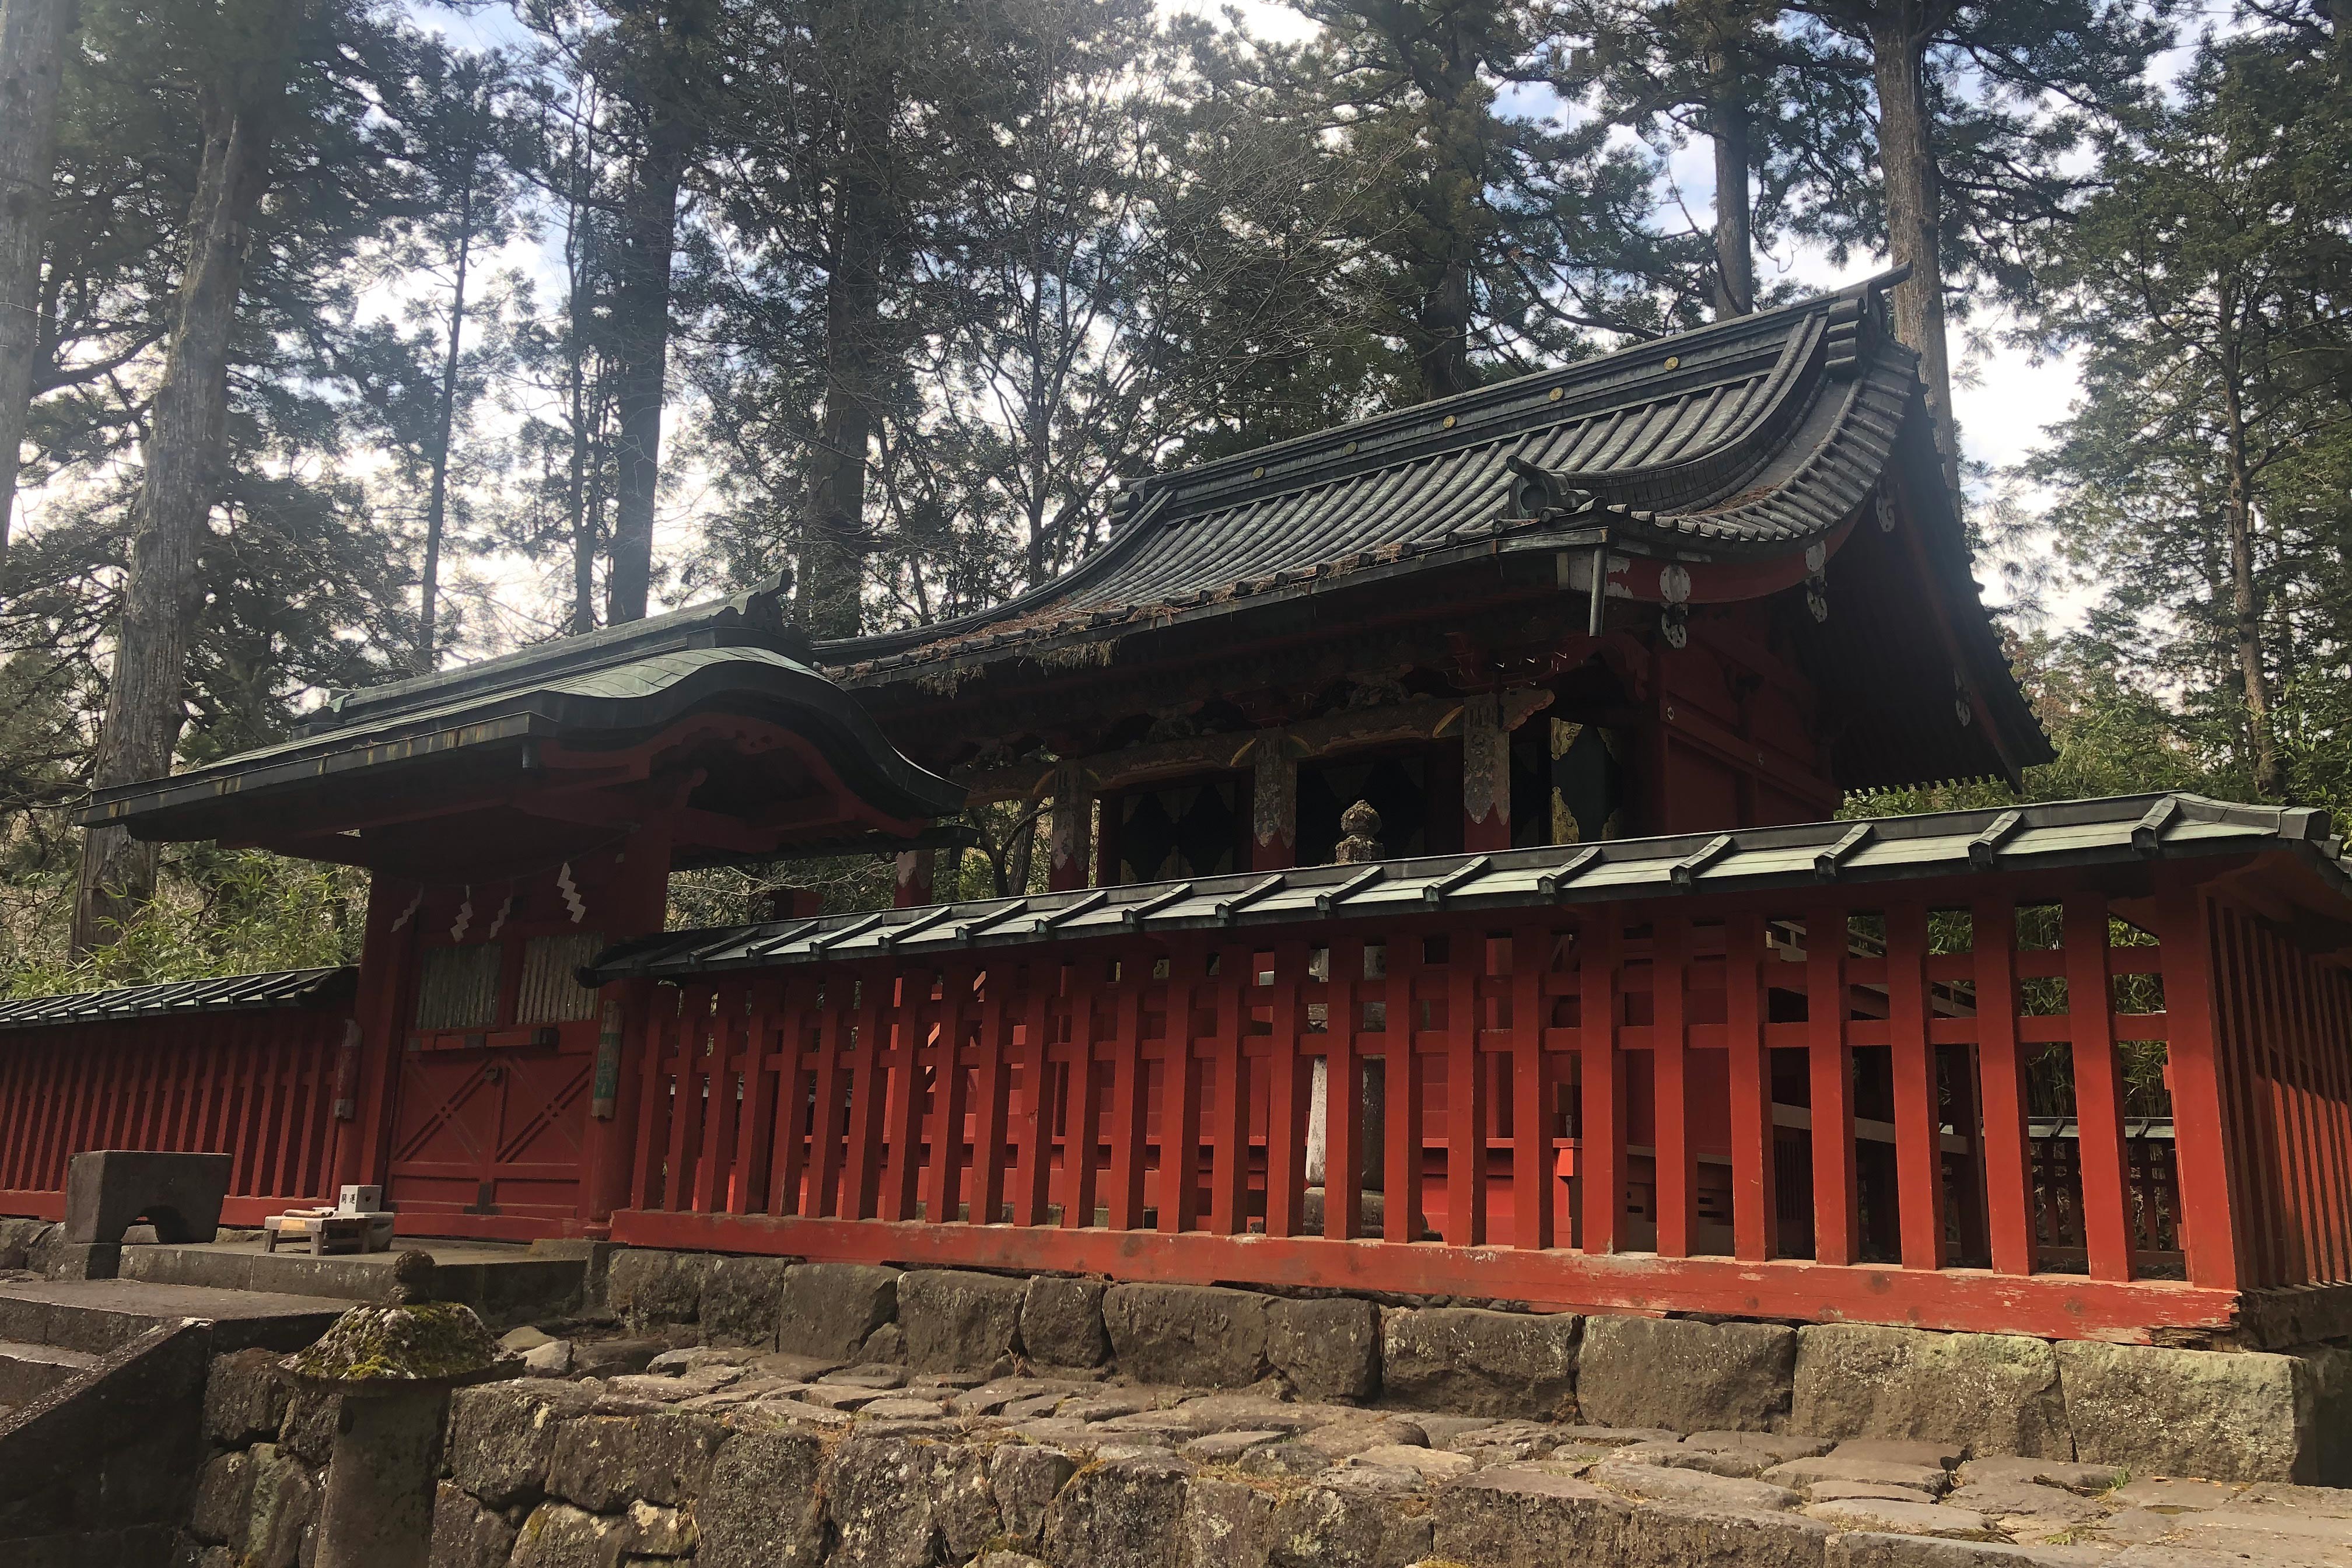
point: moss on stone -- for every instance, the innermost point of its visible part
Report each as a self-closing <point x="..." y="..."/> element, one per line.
<point x="429" y="1343"/>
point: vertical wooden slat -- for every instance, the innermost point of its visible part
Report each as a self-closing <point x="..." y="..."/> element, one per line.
<point x="2329" y="1038"/>
<point x="1601" y="1169"/>
<point x="1180" y="1095"/>
<point x="1918" y="1136"/>
<point x="1531" y="1172"/>
<point x="2282" y="1108"/>
<point x="1676" y="1159"/>
<point x="836" y="1020"/>
<point x="1129" y="1094"/>
<point x="1229" y="1125"/>
<point x="2315" y="1080"/>
<point x="907" y="1034"/>
<point x="2098" y="1087"/>
<point x="869" y="1089"/>
<point x="1755" y="1209"/>
<point x="1081" y="1110"/>
<point x="2260" y="1086"/>
<point x="1465" y="1091"/>
<point x="1033" y="1173"/>
<point x="2293" y="1079"/>
<point x="304" y="1106"/>
<point x="2007" y="1161"/>
<point x="690" y="1103"/>
<point x="714" y="1170"/>
<point x="788" y="1155"/>
<point x="1343" y="1093"/>
<point x="943" y="1184"/>
<point x="1836" y="1231"/>
<point x="992" y="1083"/>
<point x="2323" y="1064"/>
<point x="757" y="1134"/>
<point x="2256" y="1216"/>
<point x="251" y="1091"/>
<point x="1286" y="1126"/>
<point x="1402" y="1165"/>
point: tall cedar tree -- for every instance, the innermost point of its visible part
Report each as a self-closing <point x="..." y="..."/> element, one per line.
<point x="33" y="34"/>
<point x="470" y="149"/>
<point x="255" y="562"/>
<point x="1514" y="236"/>
<point x="2202" y="480"/>
<point x="1979" y="103"/>
<point x="833" y="172"/>
<point x="1128" y="254"/>
<point x="661" y="61"/>
<point x="1768" y="102"/>
<point x="246" y="60"/>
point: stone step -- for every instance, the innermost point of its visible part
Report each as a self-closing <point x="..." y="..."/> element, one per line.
<point x="30" y="1370"/>
<point x="97" y="1315"/>
<point x="506" y="1283"/>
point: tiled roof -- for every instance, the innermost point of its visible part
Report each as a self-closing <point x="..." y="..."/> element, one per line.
<point x="735" y="655"/>
<point x="1749" y="436"/>
<point x="228" y="994"/>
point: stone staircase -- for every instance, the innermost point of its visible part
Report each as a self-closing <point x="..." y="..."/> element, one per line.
<point x="30" y="1370"/>
<point x="102" y="1405"/>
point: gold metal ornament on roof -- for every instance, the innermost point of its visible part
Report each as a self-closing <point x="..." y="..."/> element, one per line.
<point x="1449" y="422"/>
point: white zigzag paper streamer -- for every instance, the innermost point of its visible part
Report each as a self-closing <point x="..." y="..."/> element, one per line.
<point x="411" y="909"/>
<point x="465" y="917"/>
<point x="571" y="891"/>
<point x="499" y="920"/>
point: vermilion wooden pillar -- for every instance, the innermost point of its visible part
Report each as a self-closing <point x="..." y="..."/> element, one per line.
<point x="387" y="947"/>
<point x="2210" y="1186"/>
<point x="640" y="895"/>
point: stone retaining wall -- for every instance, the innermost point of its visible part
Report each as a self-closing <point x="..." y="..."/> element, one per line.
<point x="2237" y="1415"/>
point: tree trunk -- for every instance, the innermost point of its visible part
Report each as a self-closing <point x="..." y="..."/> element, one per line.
<point x="833" y="569"/>
<point x="436" y="505"/>
<point x="643" y="333"/>
<point x="1735" y="253"/>
<point x="1445" y="320"/>
<point x="33" y="35"/>
<point x="2245" y="591"/>
<point x="578" y="512"/>
<point x="1908" y="162"/>
<point x="184" y="453"/>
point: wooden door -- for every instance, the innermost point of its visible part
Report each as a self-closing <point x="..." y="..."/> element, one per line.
<point x="491" y="1119"/>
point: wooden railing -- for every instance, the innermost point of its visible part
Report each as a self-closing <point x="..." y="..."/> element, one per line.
<point x="1611" y="1106"/>
<point x="255" y="1085"/>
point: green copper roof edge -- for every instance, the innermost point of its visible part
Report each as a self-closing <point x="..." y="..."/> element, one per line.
<point x="1938" y="845"/>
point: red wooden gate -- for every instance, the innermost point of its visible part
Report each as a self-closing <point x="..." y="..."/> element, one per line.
<point x="490" y="1119"/>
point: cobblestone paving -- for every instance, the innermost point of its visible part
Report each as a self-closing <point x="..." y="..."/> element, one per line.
<point x="1078" y="1472"/>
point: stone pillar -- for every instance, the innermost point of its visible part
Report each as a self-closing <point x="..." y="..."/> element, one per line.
<point x="392" y="1368"/>
<point x="1274" y="804"/>
<point x="1485" y="775"/>
<point x="378" y="1508"/>
<point x="1071" y="830"/>
<point x="1369" y="1144"/>
<point x="913" y="888"/>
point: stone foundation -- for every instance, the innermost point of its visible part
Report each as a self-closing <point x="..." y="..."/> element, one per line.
<point x="2228" y="1415"/>
<point x="742" y="1458"/>
<point x="1322" y="1432"/>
